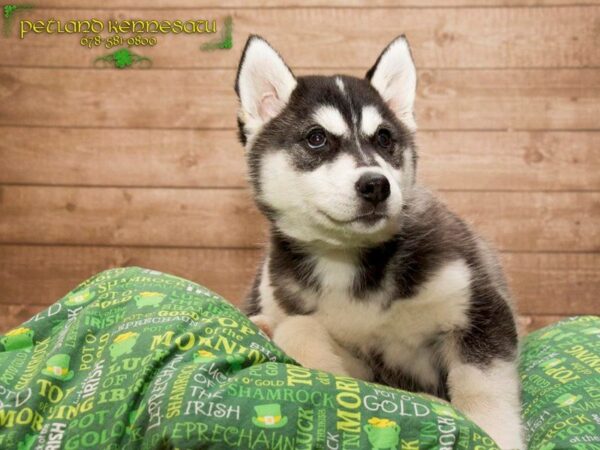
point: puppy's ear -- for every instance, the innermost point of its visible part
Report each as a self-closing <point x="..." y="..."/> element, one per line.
<point x="395" y="78"/>
<point x="263" y="84"/>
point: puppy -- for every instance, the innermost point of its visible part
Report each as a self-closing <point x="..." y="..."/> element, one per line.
<point x="366" y="273"/>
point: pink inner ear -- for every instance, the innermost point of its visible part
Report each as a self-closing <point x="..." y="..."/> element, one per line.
<point x="394" y="105"/>
<point x="270" y="106"/>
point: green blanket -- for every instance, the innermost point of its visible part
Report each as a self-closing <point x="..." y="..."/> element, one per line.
<point x="135" y="358"/>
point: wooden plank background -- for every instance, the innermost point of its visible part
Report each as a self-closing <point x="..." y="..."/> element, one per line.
<point x="102" y="168"/>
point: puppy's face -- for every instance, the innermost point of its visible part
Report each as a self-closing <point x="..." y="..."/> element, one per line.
<point x="331" y="158"/>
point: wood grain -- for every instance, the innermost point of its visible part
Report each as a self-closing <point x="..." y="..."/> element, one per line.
<point x="447" y="99"/>
<point x="543" y="283"/>
<point x="110" y="216"/>
<point x="15" y="314"/>
<point x="142" y="4"/>
<point x="554" y="283"/>
<point x="128" y="157"/>
<point x="548" y="37"/>
<point x="43" y="274"/>
<point x="146" y="170"/>
<point x="479" y="160"/>
<point x="514" y="221"/>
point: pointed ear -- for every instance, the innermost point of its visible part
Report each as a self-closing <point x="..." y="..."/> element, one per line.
<point x="263" y="84"/>
<point x="395" y="78"/>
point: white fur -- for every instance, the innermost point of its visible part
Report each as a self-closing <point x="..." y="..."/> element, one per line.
<point x="370" y="120"/>
<point x="265" y="84"/>
<point x="395" y="78"/>
<point x="336" y="270"/>
<point x="340" y="84"/>
<point x="272" y="312"/>
<point x="316" y="349"/>
<point x="331" y="119"/>
<point x="490" y="397"/>
<point x="319" y="206"/>
<point x="399" y="332"/>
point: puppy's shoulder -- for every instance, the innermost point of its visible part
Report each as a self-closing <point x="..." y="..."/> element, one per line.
<point x="430" y="226"/>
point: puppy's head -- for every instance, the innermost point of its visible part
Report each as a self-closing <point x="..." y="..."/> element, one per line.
<point x="331" y="159"/>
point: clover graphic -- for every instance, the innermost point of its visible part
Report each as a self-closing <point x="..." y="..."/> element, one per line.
<point x="226" y="41"/>
<point x="123" y="58"/>
<point x="9" y="11"/>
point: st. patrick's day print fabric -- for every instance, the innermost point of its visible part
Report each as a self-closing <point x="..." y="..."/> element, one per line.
<point x="137" y="359"/>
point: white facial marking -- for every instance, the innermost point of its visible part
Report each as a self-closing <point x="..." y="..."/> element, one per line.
<point x="370" y="120"/>
<point x="340" y="84"/>
<point x="321" y="204"/>
<point x="391" y="172"/>
<point x="332" y="120"/>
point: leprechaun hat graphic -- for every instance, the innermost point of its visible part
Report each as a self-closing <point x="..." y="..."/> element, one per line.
<point x="58" y="367"/>
<point x="269" y="416"/>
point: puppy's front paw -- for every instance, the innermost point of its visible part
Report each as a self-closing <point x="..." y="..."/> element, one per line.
<point x="305" y="340"/>
<point x="264" y="324"/>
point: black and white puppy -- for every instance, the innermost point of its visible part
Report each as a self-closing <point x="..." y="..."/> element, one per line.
<point x="366" y="273"/>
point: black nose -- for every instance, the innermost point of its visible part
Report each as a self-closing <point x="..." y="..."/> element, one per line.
<point x="373" y="187"/>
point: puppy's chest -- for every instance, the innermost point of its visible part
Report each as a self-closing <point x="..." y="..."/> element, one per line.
<point x="399" y="330"/>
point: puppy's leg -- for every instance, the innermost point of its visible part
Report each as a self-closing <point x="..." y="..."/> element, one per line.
<point x="489" y="396"/>
<point x="308" y="342"/>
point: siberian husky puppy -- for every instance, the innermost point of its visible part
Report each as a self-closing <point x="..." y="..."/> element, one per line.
<point x="366" y="273"/>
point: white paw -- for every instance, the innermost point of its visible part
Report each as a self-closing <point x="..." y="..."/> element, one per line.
<point x="304" y="339"/>
<point x="264" y="324"/>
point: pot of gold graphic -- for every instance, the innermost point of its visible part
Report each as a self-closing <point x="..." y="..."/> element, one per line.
<point x="149" y="299"/>
<point x="382" y="433"/>
<point x="80" y="298"/>
<point x="18" y="338"/>
<point x="269" y="416"/>
<point x="123" y="344"/>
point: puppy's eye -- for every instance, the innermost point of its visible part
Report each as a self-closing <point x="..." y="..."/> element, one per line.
<point x="316" y="138"/>
<point x="384" y="138"/>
